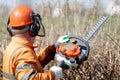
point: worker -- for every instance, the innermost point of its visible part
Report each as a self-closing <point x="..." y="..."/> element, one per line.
<point x="20" y="62"/>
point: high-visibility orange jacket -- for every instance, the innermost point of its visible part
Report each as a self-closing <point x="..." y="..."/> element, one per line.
<point x="21" y="61"/>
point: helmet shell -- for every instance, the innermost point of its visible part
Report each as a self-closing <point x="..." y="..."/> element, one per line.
<point x="20" y="16"/>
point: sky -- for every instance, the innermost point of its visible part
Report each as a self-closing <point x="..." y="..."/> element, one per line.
<point x="12" y="3"/>
<point x="86" y="3"/>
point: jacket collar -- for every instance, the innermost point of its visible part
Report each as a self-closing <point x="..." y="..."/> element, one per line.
<point x="22" y="41"/>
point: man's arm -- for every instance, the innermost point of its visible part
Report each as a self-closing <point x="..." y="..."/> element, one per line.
<point x="27" y="67"/>
<point x="46" y="55"/>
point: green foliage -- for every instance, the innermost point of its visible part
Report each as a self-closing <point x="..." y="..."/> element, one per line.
<point x="2" y="25"/>
<point x="2" y="29"/>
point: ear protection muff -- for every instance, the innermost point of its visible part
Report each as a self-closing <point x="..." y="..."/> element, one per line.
<point x="36" y="25"/>
<point x="9" y="28"/>
<point x="34" y="29"/>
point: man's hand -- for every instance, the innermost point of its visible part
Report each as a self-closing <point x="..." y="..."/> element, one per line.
<point x="58" y="71"/>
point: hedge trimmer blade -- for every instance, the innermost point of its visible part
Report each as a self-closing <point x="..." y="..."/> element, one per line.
<point x="96" y="28"/>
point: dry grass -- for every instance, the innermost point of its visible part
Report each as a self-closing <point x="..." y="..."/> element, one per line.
<point x="104" y="59"/>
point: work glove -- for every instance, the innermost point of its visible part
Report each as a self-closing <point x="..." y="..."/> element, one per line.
<point x="62" y="39"/>
<point x="58" y="71"/>
<point x="64" y="62"/>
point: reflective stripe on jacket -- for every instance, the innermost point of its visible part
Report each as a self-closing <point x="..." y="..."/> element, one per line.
<point x="24" y="64"/>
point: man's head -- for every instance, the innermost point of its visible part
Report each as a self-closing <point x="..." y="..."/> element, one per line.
<point x="23" y="19"/>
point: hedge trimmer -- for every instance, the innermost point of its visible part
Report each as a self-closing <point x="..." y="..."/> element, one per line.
<point x="76" y="50"/>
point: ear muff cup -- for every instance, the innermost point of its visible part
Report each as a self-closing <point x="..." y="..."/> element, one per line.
<point x="8" y="28"/>
<point x="9" y="31"/>
<point x="34" y="29"/>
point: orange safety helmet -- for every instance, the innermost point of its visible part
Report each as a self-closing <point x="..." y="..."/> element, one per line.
<point x="20" y="16"/>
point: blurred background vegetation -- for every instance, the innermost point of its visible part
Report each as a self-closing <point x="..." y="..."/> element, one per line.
<point x="73" y="17"/>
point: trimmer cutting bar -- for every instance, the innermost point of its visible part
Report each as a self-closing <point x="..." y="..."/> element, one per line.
<point x="96" y="28"/>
